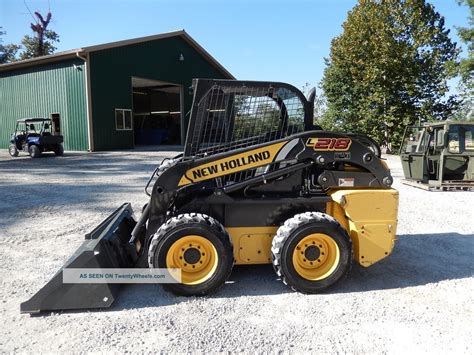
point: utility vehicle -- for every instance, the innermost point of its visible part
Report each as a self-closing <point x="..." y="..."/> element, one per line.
<point x="35" y="136"/>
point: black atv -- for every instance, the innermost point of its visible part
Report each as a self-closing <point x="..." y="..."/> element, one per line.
<point x="35" y="136"/>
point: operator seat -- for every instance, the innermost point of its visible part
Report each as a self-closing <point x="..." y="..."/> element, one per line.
<point x="45" y="133"/>
<point x="32" y="128"/>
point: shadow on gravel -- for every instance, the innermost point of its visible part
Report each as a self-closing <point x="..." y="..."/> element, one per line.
<point x="253" y="280"/>
<point x="245" y="280"/>
<point x="83" y="164"/>
<point x="25" y="159"/>
<point x="418" y="259"/>
<point x="51" y="198"/>
<point x="144" y="295"/>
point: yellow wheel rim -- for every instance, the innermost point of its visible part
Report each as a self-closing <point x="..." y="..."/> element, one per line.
<point x="316" y="256"/>
<point x="196" y="256"/>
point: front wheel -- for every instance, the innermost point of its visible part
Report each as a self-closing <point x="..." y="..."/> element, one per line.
<point x="59" y="150"/>
<point x="311" y="252"/>
<point x="199" y="246"/>
<point x="12" y="149"/>
<point x="34" y="151"/>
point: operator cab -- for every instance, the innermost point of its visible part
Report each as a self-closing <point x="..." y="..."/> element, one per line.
<point x="439" y="153"/>
<point x="229" y="114"/>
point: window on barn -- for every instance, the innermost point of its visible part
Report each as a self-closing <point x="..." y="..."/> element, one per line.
<point x="123" y="119"/>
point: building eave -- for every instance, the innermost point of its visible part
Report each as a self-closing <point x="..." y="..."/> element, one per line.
<point x="73" y="53"/>
<point x="57" y="57"/>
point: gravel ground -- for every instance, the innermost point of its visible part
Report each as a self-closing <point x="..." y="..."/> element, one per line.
<point x="419" y="299"/>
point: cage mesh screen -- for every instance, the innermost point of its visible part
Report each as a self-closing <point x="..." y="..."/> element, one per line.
<point x="232" y="117"/>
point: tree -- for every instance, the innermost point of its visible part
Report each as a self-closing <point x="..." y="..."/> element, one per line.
<point x="466" y="34"/>
<point x="2" y="47"/>
<point x="389" y="68"/>
<point x="42" y="43"/>
<point x="33" y="47"/>
<point x="7" y="52"/>
<point x="466" y="67"/>
<point x="10" y="52"/>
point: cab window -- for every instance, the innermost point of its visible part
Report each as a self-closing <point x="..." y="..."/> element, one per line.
<point x="416" y="140"/>
<point x="460" y="139"/>
<point x="469" y="140"/>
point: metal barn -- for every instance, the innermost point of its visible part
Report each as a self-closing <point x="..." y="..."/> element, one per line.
<point x="111" y="96"/>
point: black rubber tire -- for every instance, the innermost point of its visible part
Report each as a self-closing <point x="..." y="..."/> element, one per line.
<point x="287" y="238"/>
<point x="13" y="151"/>
<point x="59" y="150"/>
<point x="195" y="224"/>
<point x="34" y="151"/>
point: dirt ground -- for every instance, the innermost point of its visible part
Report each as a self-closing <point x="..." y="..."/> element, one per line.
<point x="419" y="299"/>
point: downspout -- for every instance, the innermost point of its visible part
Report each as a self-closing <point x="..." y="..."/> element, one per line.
<point x="90" y="132"/>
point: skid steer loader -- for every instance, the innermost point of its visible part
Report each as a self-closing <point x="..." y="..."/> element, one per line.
<point x="257" y="183"/>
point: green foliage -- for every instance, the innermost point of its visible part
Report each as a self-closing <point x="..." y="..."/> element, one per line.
<point x="2" y="47"/>
<point x="42" y="43"/>
<point x="464" y="111"/>
<point x="466" y="67"/>
<point x="389" y="68"/>
<point x="30" y="45"/>
<point x="9" y="53"/>
<point x="466" y="34"/>
<point x="254" y="117"/>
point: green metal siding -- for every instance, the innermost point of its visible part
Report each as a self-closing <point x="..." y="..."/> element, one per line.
<point x="111" y="83"/>
<point x="41" y="90"/>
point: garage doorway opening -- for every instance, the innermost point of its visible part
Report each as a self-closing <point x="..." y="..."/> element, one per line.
<point x="157" y="112"/>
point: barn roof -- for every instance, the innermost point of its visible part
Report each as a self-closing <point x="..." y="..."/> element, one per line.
<point x="79" y="52"/>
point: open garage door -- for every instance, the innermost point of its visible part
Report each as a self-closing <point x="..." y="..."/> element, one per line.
<point x="157" y="108"/>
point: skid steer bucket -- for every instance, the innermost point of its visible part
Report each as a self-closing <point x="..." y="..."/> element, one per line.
<point x="107" y="246"/>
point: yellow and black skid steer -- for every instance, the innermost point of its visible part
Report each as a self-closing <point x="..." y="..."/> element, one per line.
<point x="257" y="183"/>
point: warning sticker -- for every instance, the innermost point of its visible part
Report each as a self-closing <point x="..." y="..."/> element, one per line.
<point x="346" y="182"/>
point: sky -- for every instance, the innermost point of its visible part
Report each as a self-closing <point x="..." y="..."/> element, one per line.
<point x="270" y="40"/>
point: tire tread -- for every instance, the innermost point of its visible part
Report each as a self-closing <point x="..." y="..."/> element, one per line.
<point x="291" y="225"/>
<point x="187" y="219"/>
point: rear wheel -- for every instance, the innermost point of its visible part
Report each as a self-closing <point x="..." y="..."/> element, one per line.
<point x="34" y="151"/>
<point x="58" y="150"/>
<point x="12" y="149"/>
<point x="199" y="246"/>
<point x="311" y="252"/>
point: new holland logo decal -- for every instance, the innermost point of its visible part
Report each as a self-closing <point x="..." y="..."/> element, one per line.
<point x="232" y="164"/>
<point x="329" y="144"/>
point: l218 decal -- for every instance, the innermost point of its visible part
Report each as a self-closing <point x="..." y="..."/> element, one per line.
<point x="329" y="144"/>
